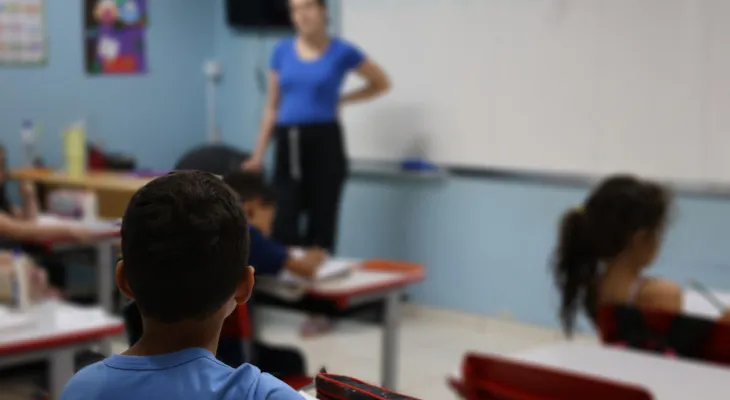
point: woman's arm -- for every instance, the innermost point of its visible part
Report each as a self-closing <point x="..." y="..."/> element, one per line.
<point x="377" y="83"/>
<point x="268" y="120"/>
<point x="28" y="194"/>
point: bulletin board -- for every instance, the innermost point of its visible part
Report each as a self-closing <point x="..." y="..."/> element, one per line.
<point x="22" y="32"/>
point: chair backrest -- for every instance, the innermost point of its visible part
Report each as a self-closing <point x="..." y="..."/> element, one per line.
<point x="215" y="159"/>
<point x="341" y="387"/>
<point x="666" y="333"/>
<point x="238" y="324"/>
<point x="487" y="377"/>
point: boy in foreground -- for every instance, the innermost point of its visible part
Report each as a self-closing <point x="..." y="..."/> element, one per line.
<point x="185" y="248"/>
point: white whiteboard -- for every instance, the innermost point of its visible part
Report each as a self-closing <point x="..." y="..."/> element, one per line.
<point x="587" y="86"/>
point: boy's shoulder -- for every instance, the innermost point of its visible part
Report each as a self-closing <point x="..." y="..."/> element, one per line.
<point x="246" y="382"/>
<point x="270" y="388"/>
<point x="84" y="383"/>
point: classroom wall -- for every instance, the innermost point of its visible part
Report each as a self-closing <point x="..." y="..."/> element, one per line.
<point x="485" y="242"/>
<point x="156" y="116"/>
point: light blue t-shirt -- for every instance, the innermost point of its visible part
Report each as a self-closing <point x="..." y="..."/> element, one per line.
<point x="188" y="374"/>
<point x="309" y="91"/>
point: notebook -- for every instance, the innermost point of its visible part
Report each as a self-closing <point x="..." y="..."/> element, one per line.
<point x="330" y="269"/>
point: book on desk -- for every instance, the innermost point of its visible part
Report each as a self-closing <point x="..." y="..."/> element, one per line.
<point x="331" y="268"/>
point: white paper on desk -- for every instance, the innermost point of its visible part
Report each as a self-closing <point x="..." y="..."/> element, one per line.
<point x="99" y="225"/>
<point x="694" y="303"/>
<point x="12" y="320"/>
<point x="331" y="268"/>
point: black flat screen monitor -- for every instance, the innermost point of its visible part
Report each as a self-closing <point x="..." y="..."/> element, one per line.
<point x="258" y="14"/>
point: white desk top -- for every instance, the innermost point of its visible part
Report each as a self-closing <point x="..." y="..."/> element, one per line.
<point x="307" y="396"/>
<point x="103" y="227"/>
<point x="55" y="319"/>
<point x="665" y="378"/>
<point x="356" y="280"/>
<point x="696" y="304"/>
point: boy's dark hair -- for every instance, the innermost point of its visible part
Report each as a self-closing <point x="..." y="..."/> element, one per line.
<point x="250" y="186"/>
<point x="618" y="208"/>
<point x="185" y="246"/>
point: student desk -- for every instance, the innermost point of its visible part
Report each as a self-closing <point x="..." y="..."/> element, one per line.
<point x="375" y="281"/>
<point x="55" y="332"/>
<point x="106" y="235"/>
<point x="665" y="378"/>
<point x="113" y="189"/>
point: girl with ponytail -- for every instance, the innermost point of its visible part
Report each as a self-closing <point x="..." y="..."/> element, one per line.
<point x="605" y="245"/>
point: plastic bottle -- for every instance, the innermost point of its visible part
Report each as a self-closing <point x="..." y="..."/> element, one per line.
<point x="75" y="150"/>
<point x="27" y="137"/>
<point x="21" y="287"/>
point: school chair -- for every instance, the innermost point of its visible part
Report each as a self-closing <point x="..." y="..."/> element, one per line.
<point x="665" y="333"/>
<point x="486" y="377"/>
<point x="237" y="345"/>
<point x="212" y="158"/>
<point x="340" y="387"/>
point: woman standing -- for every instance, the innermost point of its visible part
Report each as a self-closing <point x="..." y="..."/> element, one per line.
<point x="302" y="112"/>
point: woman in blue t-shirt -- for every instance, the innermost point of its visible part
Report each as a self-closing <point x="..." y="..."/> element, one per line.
<point x="302" y="112"/>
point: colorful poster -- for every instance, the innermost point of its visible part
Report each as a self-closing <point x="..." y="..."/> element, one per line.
<point x="22" y="32"/>
<point x="115" y="36"/>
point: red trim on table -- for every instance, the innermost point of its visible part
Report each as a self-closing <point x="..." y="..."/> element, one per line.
<point x="61" y="340"/>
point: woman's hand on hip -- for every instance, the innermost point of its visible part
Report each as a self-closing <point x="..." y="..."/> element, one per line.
<point x="252" y="164"/>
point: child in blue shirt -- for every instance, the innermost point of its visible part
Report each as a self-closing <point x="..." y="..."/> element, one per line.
<point x="185" y="249"/>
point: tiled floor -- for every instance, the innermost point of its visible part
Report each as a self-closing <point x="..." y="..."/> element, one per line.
<point x="432" y="343"/>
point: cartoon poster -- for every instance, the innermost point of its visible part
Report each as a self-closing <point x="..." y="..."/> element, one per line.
<point x="22" y="32"/>
<point x="115" y="36"/>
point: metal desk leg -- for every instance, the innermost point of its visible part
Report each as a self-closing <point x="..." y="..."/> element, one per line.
<point x="105" y="277"/>
<point x="389" y="346"/>
<point x="105" y="274"/>
<point x="61" y="365"/>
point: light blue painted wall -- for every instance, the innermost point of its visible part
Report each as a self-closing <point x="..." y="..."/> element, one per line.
<point x="486" y="243"/>
<point x="155" y="116"/>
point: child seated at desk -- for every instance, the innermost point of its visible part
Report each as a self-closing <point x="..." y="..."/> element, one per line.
<point x="605" y="246"/>
<point x="18" y="228"/>
<point x="268" y="257"/>
<point x="271" y="257"/>
<point x="185" y="249"/>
